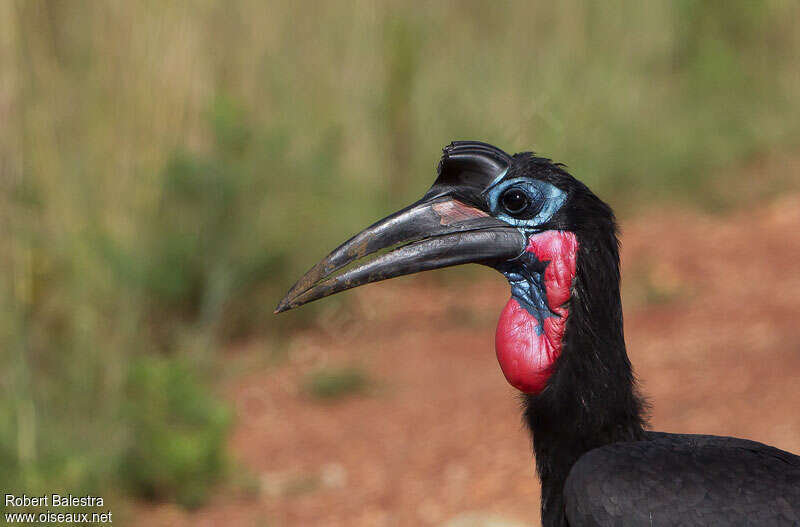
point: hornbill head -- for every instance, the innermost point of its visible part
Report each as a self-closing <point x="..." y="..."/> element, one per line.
<point x="522" y="215"/>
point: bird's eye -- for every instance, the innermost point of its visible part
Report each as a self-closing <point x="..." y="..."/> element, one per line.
<point x="515" y="201"/>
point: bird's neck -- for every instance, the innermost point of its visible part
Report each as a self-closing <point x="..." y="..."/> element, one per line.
<point x="590" y="399"/>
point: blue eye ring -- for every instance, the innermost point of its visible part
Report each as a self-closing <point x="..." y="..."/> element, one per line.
<point x="545" y="200"/>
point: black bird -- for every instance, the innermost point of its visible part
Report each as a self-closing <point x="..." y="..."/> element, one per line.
<point x="560" y="341"/>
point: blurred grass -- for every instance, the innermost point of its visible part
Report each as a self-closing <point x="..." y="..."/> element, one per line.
<point x="168" y="169"/>
<point x="329" y="384"/>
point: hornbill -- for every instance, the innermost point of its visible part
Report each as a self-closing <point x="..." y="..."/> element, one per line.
<point x="560" y="341"/>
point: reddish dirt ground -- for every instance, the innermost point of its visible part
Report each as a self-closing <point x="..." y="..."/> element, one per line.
<point x="712" y="305"/>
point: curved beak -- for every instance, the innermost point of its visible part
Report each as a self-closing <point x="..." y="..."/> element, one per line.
<point x="429" y="234"/>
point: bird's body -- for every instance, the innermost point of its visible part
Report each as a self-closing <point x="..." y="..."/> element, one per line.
<point x="560" y="341"/>
<point x="686" y="480"/>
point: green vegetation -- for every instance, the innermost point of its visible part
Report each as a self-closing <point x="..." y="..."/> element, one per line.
<point x="335" y="383"/>
<point x="168" y="169"/>
<point x="178" y="433"/>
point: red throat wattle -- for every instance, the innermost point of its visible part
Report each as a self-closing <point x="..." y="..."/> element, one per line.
<point x="525" y="351"/>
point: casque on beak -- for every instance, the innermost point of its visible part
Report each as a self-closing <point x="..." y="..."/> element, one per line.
<point x="435" y="232"/>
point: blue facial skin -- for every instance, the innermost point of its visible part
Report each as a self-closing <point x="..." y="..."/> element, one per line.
<point x="526" y="276"/>
<point x="526" y="273"/>
<point x="549" y="197"/>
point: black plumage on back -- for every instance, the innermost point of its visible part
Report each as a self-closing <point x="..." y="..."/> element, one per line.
<point x="680" y="479"/>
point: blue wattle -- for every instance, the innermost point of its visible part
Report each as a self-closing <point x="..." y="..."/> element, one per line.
<point x="526" y="276"/>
